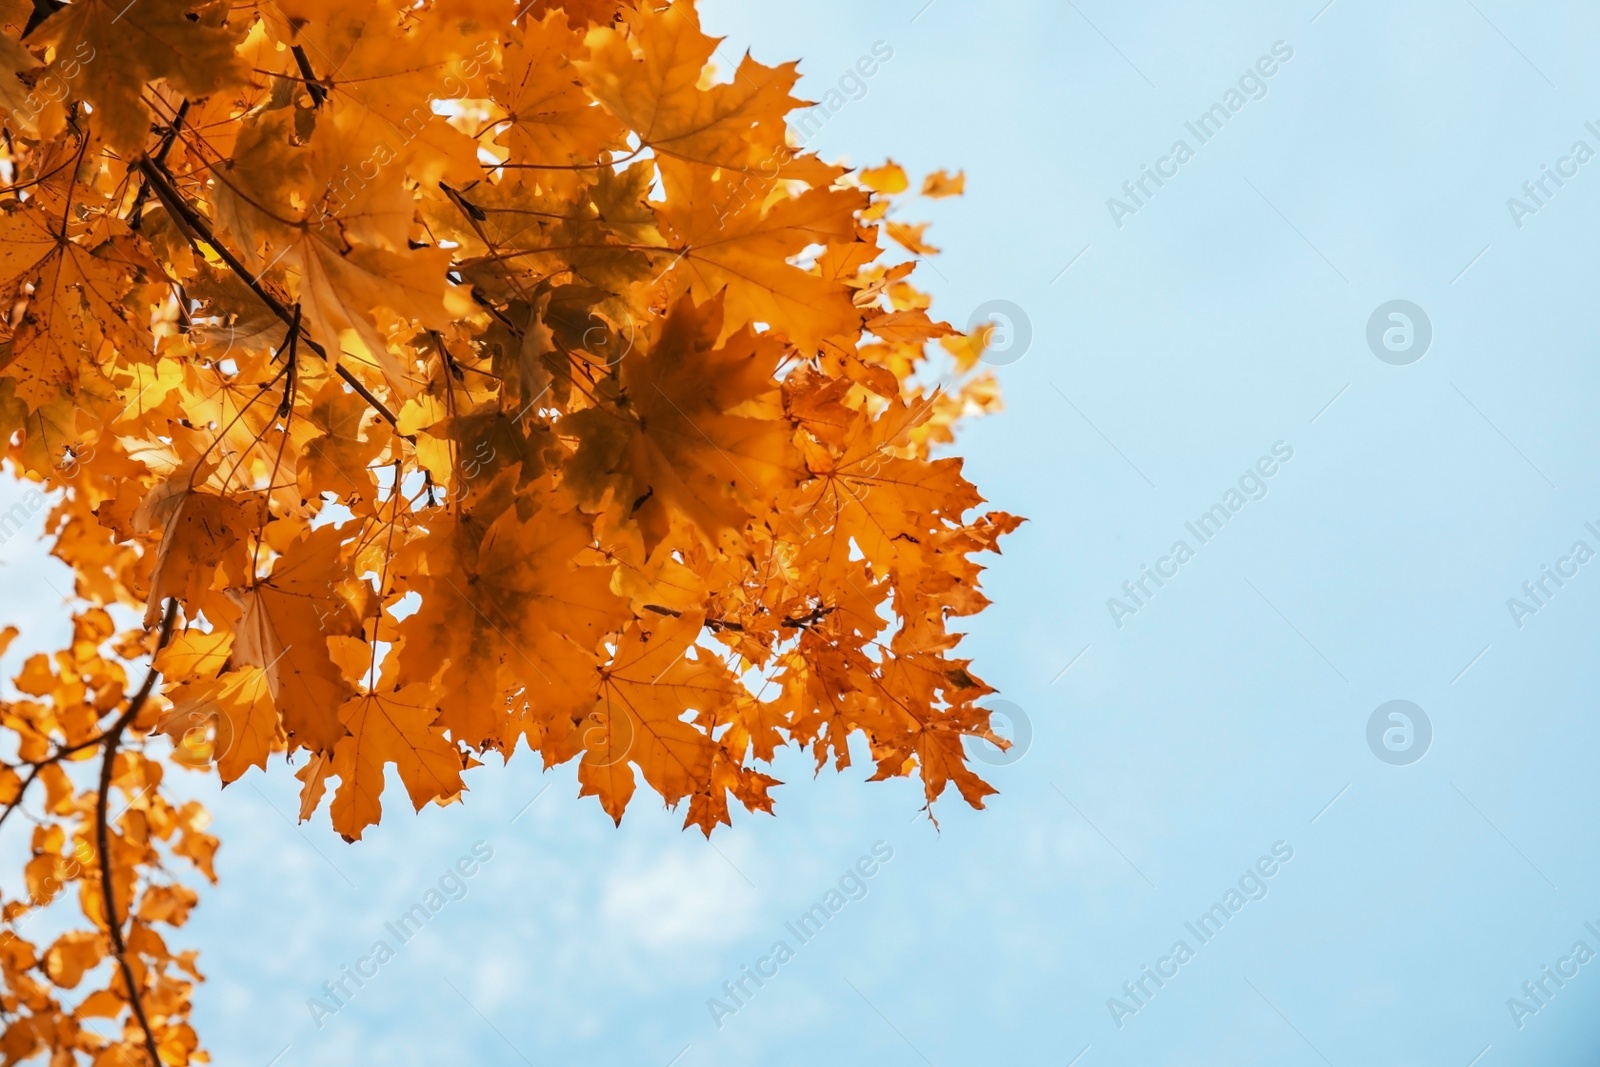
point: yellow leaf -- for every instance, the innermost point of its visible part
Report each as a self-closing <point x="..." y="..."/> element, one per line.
<point x="888" y="179"/>
<point x="202" y="532"/>
<point x="551" y="120"/>
<point x="101" y="1004"/>
<point x="339" y="291"/>
<point x="684" y="454"/>
<point x="909" y="237"/>
<point x="195" y="653"/>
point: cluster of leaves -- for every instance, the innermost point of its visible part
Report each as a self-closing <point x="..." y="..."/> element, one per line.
<point x="418" y="380"/>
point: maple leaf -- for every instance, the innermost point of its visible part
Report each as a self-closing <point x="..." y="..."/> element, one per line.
<point x="180" y="42"/>
<point x="728" y="241"/>
<point x="682" y="452"/>
<point x="550" y="118"/>
<point x="650" y="78"/>
<point x="228" y="720"/>
<point x="941" y="184"/>
<point x="889" y="178"/>
<point x="200" y="531"/>
<point x="338" y="459"/>
<point x="387" y="728"/>
<point x="16" y="62"/>
<point x="338" y="291"/>
<point x="910" y="237"/>
<point x="76" y="297"/>
<point x="285" y="622"/>
<point x="519" y="615"/>
<point x="644" y="693"/>
<point x="879" y="500"/>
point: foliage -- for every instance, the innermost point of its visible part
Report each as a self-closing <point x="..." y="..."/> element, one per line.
<point x="412" y="382"/>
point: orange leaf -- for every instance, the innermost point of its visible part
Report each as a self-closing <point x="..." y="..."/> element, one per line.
<point x="940" y="184"/>
<point x="387" y="728"/>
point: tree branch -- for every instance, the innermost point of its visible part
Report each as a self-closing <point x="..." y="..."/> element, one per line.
<point x="113" y="739"/>
<point x="314" y="86"/>
<point x="36" y="767"/>
<point x="169" y="195"/>
<point x="135" y="213"/>
<point x="22" y="790"/>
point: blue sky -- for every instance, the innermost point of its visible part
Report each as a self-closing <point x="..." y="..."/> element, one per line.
<point x="1228" y="716"/>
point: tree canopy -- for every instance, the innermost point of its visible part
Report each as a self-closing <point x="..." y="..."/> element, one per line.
<point x="410" y="383"/>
